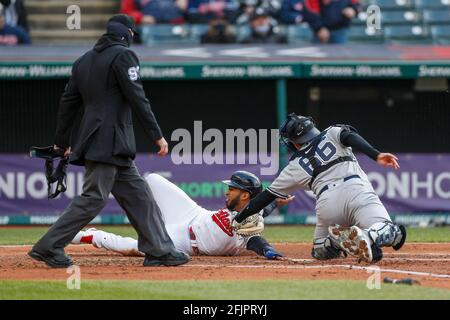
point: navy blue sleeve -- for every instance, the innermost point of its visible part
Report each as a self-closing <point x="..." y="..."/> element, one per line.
<point x="24" y="37"/>
<point x="256" y="205"/>
<point x="288" y="12"/>
<point x="314" y="20"/>
<point x="351" y="138"/>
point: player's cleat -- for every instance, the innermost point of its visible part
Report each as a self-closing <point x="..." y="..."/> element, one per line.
<point x="354" y="241"/>
<point x="63" y="261"/>
<point x="170" y="259"/>
<point x="399" y="245"/>
<point x="377" y="253"/>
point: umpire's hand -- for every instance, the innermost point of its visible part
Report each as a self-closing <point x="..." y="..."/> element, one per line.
<point x="163" y="147"/>
<point x="67" y="151"/>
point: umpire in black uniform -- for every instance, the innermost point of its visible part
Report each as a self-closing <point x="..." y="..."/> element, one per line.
<point x="105" y="80"/>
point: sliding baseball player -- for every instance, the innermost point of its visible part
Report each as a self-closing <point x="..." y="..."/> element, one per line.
<point x="195" y="230"/>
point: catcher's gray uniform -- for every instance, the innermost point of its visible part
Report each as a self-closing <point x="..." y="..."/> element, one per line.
<point x="343" y="192"/>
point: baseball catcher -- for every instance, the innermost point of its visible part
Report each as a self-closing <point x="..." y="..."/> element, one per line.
<point x="350" y="216"/>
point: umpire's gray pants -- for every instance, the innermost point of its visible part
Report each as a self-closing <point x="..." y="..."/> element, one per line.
<point x="131" y="192"/>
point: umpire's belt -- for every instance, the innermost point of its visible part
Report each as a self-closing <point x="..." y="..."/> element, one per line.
<point x="193" y="242"/>
<point x="345" y="179"/>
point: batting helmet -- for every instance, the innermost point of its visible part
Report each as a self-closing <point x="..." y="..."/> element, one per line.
<point x="245" y="181"/>
<point x="298" y="129"/>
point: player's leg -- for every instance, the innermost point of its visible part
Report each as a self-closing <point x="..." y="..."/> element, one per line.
<point x="324" y="246"/>
<point x="371" y="215"/>
<point x="101" y="239"/>
<point x="375" y="220"/>
<point x="372" y="228"/>
<point x="135" y="197"/>
<point x="176" y="206"/>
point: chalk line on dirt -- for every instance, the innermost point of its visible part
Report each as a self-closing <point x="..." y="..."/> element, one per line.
<point x="341" y="266"/>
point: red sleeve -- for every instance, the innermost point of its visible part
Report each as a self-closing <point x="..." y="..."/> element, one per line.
<point x="128" y="7"/>
<point x="313" y="6"/>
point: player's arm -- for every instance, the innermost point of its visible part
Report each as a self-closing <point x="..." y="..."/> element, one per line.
<point x="275" y="204"/>
<point x="69" y="105"/>
<point x="285" y="181"/>
<point x="269" y="208"/>
<point x="259" y="245"/>
<point x="256" y="205"/>
<point x="350" y="138"/>
<point x="126" y="69"/>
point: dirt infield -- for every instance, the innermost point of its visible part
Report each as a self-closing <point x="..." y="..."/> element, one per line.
<point x="426" y="262"/>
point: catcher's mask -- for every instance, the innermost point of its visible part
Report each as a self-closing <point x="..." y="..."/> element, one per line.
<point x="53" y="175"/>
<point x="297" y="129"/>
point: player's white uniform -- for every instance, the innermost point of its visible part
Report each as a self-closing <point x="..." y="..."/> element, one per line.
<point x="347" y="203"/>
<point x="193" y="229"/>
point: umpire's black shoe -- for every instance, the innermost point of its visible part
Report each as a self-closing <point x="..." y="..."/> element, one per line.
<point x="62" y="261"/>
<point x="170" y="259"/>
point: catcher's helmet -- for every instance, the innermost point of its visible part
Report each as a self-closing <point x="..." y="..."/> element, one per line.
<point x="245" y="181"/>
<point x="298" y="129"/>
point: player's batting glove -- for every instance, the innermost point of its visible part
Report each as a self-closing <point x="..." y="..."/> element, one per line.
<point x="271" y="254"/>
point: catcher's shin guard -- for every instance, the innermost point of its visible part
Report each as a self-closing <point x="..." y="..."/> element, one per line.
<point x="387" y="234"/>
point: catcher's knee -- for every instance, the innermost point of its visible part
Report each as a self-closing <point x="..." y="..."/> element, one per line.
<point x="325" y="249"/>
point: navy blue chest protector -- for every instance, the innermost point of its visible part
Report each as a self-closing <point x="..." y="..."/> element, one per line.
<point x="310" y="153"/>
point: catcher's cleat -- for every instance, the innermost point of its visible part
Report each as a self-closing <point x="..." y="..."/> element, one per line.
<point x="354" y="241"/>
<point x="377" y="253"/>
<point x="399" y="245"/>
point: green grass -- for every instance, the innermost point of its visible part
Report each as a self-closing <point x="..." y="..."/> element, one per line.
<point x="192" y="290"/>
<point x="16" y="236"/>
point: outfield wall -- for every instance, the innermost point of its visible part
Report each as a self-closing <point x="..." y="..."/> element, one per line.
<point x="397" y="97"/>
<point x="421" y="186"/>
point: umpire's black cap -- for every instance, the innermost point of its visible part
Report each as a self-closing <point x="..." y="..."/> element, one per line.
<point x="246" y="181"/>
<point x="125" y="20"/>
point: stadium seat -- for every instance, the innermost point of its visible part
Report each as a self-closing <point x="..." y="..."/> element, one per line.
<point x="242" y="32"/>
<point x="165" y="34"/>
<point x="361" y="34"/>
<point x="299" y="33"/>
<point x="417" y="34"/>
<point x="400" y="18"/>
<point x="432" y="4"/>
<point x="393" y="4"/>
<point x="441" y="34"/>
<point x="436" y="16"/>
<point x="196" y="31"/>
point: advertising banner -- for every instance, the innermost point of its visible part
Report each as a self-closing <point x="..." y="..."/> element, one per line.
<point x="421" y="185"/>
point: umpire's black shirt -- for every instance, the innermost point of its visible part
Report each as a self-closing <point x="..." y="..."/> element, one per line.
<point x="106" y="81"/>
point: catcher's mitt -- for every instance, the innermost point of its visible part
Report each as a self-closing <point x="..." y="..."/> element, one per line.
<point x="250" y="226"/>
